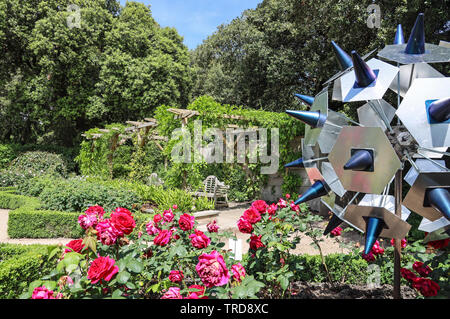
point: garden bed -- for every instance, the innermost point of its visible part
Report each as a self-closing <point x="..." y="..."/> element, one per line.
<point x="310" y="290"/>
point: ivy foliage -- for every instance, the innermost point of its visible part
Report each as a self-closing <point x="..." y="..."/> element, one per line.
<point x="213" y="114"/>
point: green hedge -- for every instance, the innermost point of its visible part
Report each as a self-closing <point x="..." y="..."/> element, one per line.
<point x="21" y="265"/>
<point x="9" y="200"/>
<point x="23" y="223"/>
<point x="27" y="221"/>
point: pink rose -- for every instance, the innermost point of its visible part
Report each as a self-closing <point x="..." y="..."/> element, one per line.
<point x="244" y="226"/>
<point x="176" y="276"/>
<point x="87" y="221"/>
<point x="255" y="242"/>
<point x="403" y="243"/>
<point x="377" y="249"/>
<point x="42" y="293"/>
<point x="168" y="215"/>
<point x="294" y="207"/>
<point x="260" y="206"/>
<point x="282" y="203"/>
<point x="212" y="269"/>
<point x="272" y="209"/>
<point x="102" y="268"/>
<point x="238" y="272"/>
<point x="252" y="215"/>
<point x="163" y="238"/>
<point x="199" y="240"/>
<point x="151" y="228"/>
<point x="175" y="207"/>
<point x="212" y="227"/>
<point x="186" y="222"/>
<point x="172" y="293"/>
<point x="288" y="196"/>
<point x="336" y="232"/>
<point x="107" y="233"/>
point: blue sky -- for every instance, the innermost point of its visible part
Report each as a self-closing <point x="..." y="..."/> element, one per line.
<point x="195" y="20"/>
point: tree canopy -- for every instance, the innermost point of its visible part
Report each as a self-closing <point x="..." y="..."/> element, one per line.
<point x="57" y="81"/>
<point x="283" y="47"/>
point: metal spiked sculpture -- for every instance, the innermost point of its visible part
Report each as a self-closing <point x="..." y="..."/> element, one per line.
<point x="367" y="157"/>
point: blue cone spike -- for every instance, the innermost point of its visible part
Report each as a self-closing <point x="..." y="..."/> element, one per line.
<point x="332" y="224"/>
<point x="313" y="119"/>
<point x="364" y="74"/>
<point x="439" y="198"/>
<point x="296" y="163"/>
<point x="343" y="59"/>
<point x="374" y="227"/>
<point x="318" y="189"/>
<point x="305" y="98"/>
<point x="399" y="39"/>
<point x="440" y="110"/>
<point x="416" y="42"/>
<point x="361" y="160"/>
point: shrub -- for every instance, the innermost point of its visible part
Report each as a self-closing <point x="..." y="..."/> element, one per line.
<point x="76" y="194"/>
<point x="34" y="186"/>
<point x="20" y="265"/>
<point x="24" y="223"/>
<point x="39" y="163"/>
<point x="7" y="154"/>
<point x="110" y="266"/>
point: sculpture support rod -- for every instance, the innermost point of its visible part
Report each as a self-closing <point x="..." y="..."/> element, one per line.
<point x="398" y="241"/>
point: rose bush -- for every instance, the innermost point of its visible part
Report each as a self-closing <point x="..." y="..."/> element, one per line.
<point x="170" y="258"/>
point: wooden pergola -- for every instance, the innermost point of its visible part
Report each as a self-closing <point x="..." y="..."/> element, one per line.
<point x="143" y="135"/>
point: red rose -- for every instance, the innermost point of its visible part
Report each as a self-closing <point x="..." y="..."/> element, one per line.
<point x="252" y="215"/>
<point x="102" y="268"/>
<point x="427" y="287"/>
<point x="439" y="244"/>
<point x="368" y="257"/>
<point x="421" y="269"/>
<point x="122" y="210"/>
<point x="260" y="206"/>
<point x="186" y="222"/>
<point x="95" y="210"/>
<point x="212" y="227"/>
<point x="244" y="226"/>
<point x="255" y="242"/>
<point x="199" y="240"/>
<point x="407" y="274"/>
<point x="157" y="218"/>
<point x="176" y="276"/>
<point x="75" y="245"/>
<point x="123" y="222"/>
<point x="163" y="238"/>
<point x="196" y="292"/>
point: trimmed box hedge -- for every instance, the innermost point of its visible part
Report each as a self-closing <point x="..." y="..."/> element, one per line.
<point x="20" y="265"/>
<point x="23" y="223"/>
<point x="27" y="221"/>
<point x="9" y="200"/>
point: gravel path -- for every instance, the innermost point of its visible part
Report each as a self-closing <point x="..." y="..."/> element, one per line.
<point x="227" y="221"/>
